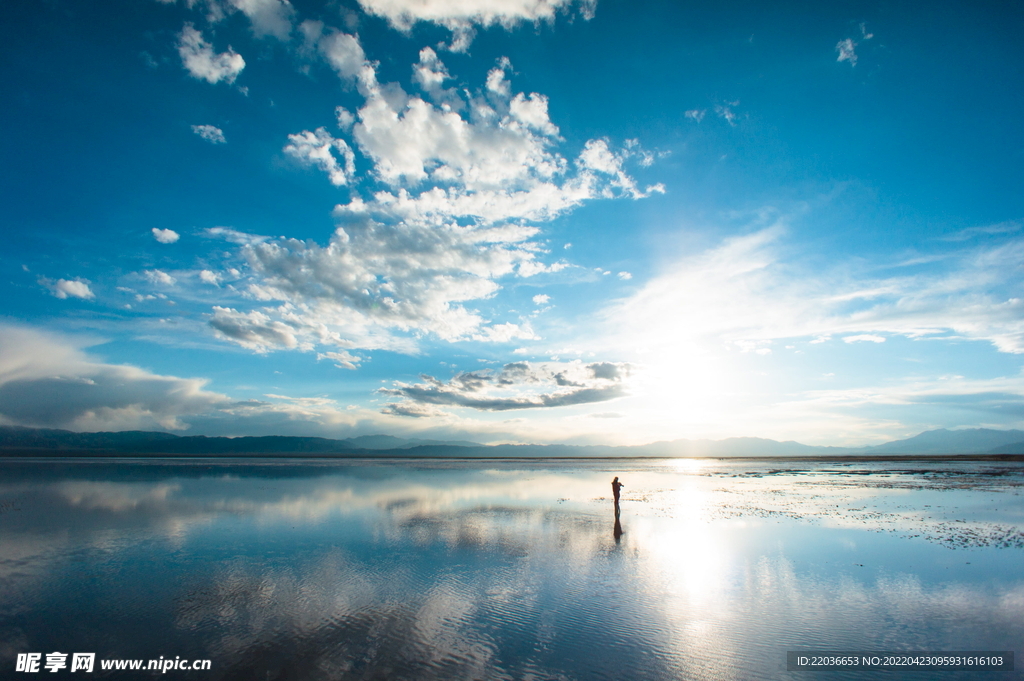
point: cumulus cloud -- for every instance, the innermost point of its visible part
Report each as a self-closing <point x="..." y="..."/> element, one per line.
<point x="253" y="330"/>
<point x="518" y="385"/>
<point x="430" y="73"/>
<point x="159" y="277"/>
<point x="372" y="280"/>
<point x="318" y="148"/>
<point x="541" y="299"/>
<point x="165" y="236"/>
<point x="845" y="48"/>
<point x="68" y="288"/>
<point x="210" y="133"/>
<point x="341" y="51"/>
<point x="208" y="277"/>
<point x="268" y="17"/>
<point x="495" y="163"/>
<point x="201" y="62"/>
<point x="48" y="381"/>
<point x="463" y="182"/>
<point x="344" y="117"/>
<point x="460" y="16"/>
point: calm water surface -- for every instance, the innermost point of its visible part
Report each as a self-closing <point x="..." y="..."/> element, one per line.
<point x="508" y="569"/>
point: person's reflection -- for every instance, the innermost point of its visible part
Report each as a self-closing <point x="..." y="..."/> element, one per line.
<point x="617" y="530"/>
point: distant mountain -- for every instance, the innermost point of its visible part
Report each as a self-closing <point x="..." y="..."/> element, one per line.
<point x="17" y="441"/>
<point x="139" y="442"/>
<point x="1015" y="448"/>
<point x="47" y="438"/>
<point x="966" y="441"/>
<point x="392" y="442"/>
<point x="736" y="446"/>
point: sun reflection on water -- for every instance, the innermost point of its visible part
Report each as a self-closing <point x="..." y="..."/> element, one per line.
<point x="690" y="465"/>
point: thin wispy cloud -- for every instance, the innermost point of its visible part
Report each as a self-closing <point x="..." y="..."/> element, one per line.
<point x="746" y="290"/>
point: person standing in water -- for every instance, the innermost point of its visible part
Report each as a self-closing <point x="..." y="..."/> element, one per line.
<point x="617" y="530"/>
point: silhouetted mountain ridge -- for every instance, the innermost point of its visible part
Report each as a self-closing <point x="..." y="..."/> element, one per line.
<point x="15" y="441"/>
<point x="942" y="441"/>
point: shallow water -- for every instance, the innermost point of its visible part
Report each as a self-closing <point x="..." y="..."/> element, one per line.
<point x="508" y="569"/>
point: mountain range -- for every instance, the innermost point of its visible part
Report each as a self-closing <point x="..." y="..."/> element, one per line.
<point x="20" y="441"/>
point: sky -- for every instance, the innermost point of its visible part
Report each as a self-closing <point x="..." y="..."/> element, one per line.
<point x="547" y="221"/>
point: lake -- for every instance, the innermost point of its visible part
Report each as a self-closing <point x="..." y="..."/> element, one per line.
<point x="508" y="569"/>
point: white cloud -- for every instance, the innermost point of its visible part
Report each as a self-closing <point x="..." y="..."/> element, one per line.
<point x="541" y="299"/>
<point x="725" y="112"/>
<point x="253" y="330"/>
<point x="46" y="380"/>
<point x="165" y="236"/>
<point x="210" y="133"/>
<point x="342" y="52"/>
<point x="406" y="261"/>
<point x="317" y="148"/>
<point x="491" y="167"/>
<point x="496" y="80"/>
<point x="746" y="290"/>
<point x="344" y="117"/>
<point x="268" y="17"/>
<point x="199" y="59"/>
<point x="532" y="111"/>
<point x="845" y="48"/>
<point x="341" y="359"/>
<point x="625" y="276"/>
<point x="159" y="277"/>
<point x="460" y="16"/>
<point x="373" y="285"/>
<point x="68" y="288"/>
<point x="464" y="174"/>
<point x="430" y="73"/>
<point x="696" y="114"/>
<point x="208" y="277"/>
<point x="1000" y="228"/>
<point x="519" y="385"/>
<point x="864" y="338"/>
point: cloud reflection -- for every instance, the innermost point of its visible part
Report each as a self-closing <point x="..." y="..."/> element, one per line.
<point x="491" y="569"/>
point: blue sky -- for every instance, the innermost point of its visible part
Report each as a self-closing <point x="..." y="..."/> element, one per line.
<point x="512" y="220"/>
